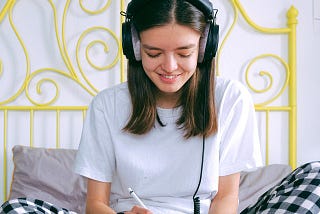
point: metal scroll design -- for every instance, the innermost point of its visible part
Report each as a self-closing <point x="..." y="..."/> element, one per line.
<point x="289" y="67"/>
<point x="74" y="71"/>
<point x="41" y="78"/>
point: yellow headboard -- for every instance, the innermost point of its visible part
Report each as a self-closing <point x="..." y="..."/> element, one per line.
<point x="31" y="111"/>
<point x="290" y="82"/>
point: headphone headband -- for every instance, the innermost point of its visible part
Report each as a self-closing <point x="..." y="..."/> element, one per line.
<point x="208" y="41"/>
<point x="204" y="6"/>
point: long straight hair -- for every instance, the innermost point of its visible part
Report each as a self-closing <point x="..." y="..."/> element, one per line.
<point x="199" y="117"/>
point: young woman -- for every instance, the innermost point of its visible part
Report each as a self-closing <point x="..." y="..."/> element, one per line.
<point x="174" y="133"/>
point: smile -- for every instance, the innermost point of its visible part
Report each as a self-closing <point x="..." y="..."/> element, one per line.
<point x="169" y="76"/>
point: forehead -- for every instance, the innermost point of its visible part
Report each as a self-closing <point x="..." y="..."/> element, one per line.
<point x="170" y="36"/>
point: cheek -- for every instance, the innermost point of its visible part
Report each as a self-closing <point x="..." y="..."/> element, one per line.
<point x="149" y="65"/>
<point x="191" y="65"/>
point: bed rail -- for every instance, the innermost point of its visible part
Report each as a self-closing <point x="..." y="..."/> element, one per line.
<point x="31" y="109"/>
<point x="289" y="84"/>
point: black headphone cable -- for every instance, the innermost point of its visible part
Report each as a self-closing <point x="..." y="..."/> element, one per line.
<point x="196" y="200"/>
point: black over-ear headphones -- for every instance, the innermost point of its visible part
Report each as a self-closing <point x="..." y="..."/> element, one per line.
<point x="208" y="43"/>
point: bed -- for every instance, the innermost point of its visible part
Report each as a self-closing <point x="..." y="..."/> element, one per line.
<point x="41" y="119"/>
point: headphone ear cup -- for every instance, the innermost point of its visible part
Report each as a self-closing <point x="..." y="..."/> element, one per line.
<point x="130" y="42"/>
<point x="203" y="43"/>
<point x="212" y="42"/>
<point x="127" y="46"/>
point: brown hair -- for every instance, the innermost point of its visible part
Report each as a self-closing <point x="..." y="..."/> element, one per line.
<point x="199" y="117"/>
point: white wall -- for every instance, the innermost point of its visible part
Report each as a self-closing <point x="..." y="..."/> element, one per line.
<point x="308" y="40"/>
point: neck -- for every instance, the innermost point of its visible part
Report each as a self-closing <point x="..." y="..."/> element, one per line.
<point x="168" y="100"/>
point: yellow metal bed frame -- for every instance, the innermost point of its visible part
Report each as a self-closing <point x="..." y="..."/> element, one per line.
<point x="6" y="105"/>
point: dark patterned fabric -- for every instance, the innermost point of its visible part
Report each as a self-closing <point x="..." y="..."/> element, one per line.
<point x="298" y="193"/>
<point x="31" y="206"/>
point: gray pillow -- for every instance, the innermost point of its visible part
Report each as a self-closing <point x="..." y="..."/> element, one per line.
<point x="254" y="183"/>
<point x="47" y="174"/>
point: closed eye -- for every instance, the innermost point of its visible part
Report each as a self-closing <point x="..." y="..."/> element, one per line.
<point x="153" y="55"/>
<point x="185" y="55"/>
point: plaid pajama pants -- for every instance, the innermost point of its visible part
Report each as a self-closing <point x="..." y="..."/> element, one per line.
<point x="31" y="206"/>
<point x="298" y="193"/>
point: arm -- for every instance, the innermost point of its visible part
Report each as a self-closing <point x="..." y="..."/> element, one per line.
<point x="98" y="195"/>
<point x="226" y="200"/>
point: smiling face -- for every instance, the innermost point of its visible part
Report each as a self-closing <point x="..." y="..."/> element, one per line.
<point x="169" y="57"/>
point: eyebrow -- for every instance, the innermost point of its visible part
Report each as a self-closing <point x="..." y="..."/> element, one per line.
<point x="149" y="47"/>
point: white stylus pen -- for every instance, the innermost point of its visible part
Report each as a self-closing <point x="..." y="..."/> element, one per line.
<point x="133" y="194"/>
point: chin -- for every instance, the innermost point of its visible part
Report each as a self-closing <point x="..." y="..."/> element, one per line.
<point x="170" y="90"/>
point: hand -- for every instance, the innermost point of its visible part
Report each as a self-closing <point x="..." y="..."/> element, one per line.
<point x="138" y="210"/>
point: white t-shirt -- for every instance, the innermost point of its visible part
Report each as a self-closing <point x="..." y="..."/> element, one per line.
<point x="162" y="167"/>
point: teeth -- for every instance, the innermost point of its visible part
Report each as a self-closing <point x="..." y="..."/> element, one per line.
<point x="169" y="76"/>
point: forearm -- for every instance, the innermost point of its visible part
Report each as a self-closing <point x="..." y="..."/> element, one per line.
<point x="97" y="207"/>
<point x="223" y="205"/>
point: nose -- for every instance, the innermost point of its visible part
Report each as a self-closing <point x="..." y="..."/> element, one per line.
<point x="169" y="63"/>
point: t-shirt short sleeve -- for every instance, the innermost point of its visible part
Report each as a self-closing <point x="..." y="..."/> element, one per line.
<point x="95" y="156"/>
<point x="240" y="145"/>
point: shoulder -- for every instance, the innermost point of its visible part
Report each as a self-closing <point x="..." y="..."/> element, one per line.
<point x="230" y="87"/>
<point x="112" y="98"/>
<point x="229" y="92"/>
<point x="117" y="92"/>
<point x="118" y="89"/>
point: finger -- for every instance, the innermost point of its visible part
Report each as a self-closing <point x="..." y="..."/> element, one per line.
<point x="140" y="210"/>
